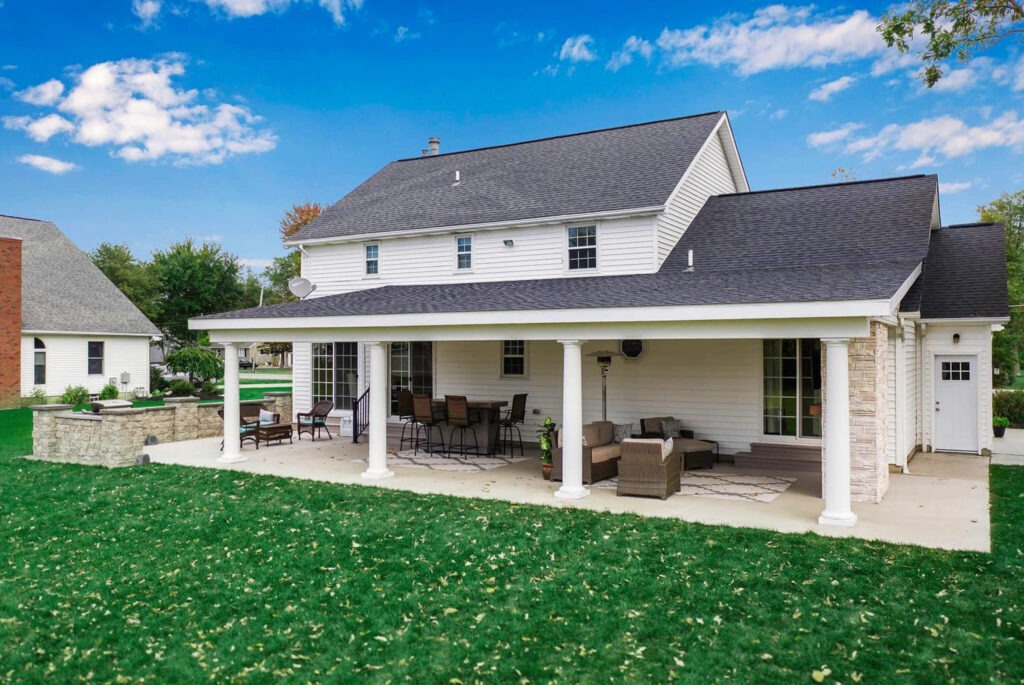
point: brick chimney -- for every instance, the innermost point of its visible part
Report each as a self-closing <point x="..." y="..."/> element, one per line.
<point x="10" y="322"/>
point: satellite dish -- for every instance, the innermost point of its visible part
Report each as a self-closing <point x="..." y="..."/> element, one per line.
<point x="300" y="287"/>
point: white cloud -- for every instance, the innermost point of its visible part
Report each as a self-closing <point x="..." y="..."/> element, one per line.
<point x="775" y="37"/>
<point x="133" y="106"/>
<point x="48" y="164"/>
<point x="253" y="8"/>
<point x="146" y="10"/>
<point x="212" y="238"/>
<point x="44" y="94"/>
<point x="950" y="188"/>
<point x="577" y="49"/>
<point x="825" y="91"/>
<point x="41" y="129"/>
<point x="946" y="135"/>
<point x="822" y="138"/>
<point x="403" y="33"/>
<point x="6" y="83"/>
<point x="255" y="263"/>
<point x="778" y="114"/>
<point x="624" y="56"/>
<point x="893" y="61"/>
<point x="957" y="81"/>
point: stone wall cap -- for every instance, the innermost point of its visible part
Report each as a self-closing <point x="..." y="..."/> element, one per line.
<point x="81" y="416"/>
<point x="124" y="410"/>
<point x="277" y="394"/>
<point x="180" y="400"/>
<point x="51" y="407"/>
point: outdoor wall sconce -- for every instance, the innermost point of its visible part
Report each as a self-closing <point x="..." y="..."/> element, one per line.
<point x="956" y="338"/>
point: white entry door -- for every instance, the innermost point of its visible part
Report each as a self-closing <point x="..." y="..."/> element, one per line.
<point x="956" y="404"/>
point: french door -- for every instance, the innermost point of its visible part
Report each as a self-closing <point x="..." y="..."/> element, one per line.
<point x="412" y="368"/>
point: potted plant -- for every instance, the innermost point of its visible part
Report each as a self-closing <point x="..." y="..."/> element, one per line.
<point x="544" y="437"/>
<point x="999" y="425"/>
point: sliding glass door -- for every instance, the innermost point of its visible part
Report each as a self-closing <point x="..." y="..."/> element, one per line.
<point x="792" y="388"/>
<point x="412" y="368"/>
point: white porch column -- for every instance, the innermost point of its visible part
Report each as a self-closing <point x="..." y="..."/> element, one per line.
<point x="378" y="447"/>
<point x="572" y="421"/>
<point x="232" y="438"/>
<point x="837" y="434"/>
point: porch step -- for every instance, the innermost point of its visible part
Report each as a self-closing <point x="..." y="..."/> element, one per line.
<point x="770" y="456"/>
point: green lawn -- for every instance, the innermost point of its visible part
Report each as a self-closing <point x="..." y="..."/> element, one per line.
<point x="172" y="574"/>
<point x="282" y="371"/>
<point x="254" y="381"/>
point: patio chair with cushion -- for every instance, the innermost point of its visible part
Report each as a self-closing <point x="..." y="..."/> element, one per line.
<point x="426" y="419"/>
<point x="515" y="418"/>
<point x="645" y="470"/>
<point x="462" y="422"/>
<point x="600" y="452"/>
<point x="248" y="429"/>
<point x="697" y="454"/>
<point x="405" y="415"/>
<point x="315" y="420"/>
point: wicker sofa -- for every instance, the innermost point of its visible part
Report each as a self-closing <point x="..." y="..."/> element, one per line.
<point x="600" y="452"/>
<point x="697" y="454"/>
<point x="645" y="471"/>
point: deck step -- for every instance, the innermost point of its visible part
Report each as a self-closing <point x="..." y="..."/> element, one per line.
<point x="780" y="457"/>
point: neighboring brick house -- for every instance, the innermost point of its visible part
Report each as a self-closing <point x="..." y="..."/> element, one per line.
<point x="72" y="326"/>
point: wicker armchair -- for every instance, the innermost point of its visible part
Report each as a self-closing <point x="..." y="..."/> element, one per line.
<point x="315" y="420"/>
<point x="644" y="472"/>
<point x="600" y="454"/>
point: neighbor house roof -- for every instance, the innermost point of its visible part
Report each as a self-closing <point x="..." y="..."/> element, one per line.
<point x="849" y="241"/>
<point x="964" y="275"/>
<point x="63" y="291"/>
<point x="628" y="167"/>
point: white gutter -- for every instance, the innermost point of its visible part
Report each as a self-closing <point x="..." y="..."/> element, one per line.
<point x="107" y="334"/>
<point x="486" y="226"/>
<point x="968" y="319"/>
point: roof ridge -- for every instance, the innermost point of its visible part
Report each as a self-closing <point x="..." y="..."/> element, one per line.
<point x="564" y="135"/>
<point x="973" y="224"/>
<point x="827" y="185"/>
<point x="22" y="218"/>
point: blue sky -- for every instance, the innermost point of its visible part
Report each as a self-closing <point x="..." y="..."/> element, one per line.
<point x="147" y="121"/>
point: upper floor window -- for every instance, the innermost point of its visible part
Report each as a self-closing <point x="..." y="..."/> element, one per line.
<point x="582" y="247"/>
<point x="513" y="358"/>
<point x="464" y="252"/>
<point x="372" y="259"/>
<point x="95" y="357"/>
<point x="40" y="362"/>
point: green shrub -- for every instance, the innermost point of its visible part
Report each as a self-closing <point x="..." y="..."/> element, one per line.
<point x="1009" y="403"/>
<point x="74" y="394"/>
<point x="109" y="392"/>
<point x="181" y="388"/>
<point x="156" y="379"/>
<point x="199" y="363"/>
<point x="1000" y="422"/>
<point x="208" y="388"/>
<point x="38" y="396"/>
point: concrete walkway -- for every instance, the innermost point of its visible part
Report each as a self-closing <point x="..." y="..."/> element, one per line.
<point x="1010" y="445"/>
<point x="943" y="503"/>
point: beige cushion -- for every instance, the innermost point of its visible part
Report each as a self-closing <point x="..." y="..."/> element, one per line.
<point x="653" y="425"/>
<point x="605" y="433"/>
<point x="605" y="453"/>
<point x="689" y="445"/>
<point x="647" y="441"/>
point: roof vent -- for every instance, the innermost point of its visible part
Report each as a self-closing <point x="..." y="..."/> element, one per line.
<point x="435" y="145"/>
<point x="458" y="179"/>
<point x="689" y="261"/>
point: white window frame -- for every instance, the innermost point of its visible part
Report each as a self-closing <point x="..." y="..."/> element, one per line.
<point x="367" y="259"/>
<point x="525" y="356"/>
<point x="472" y="259"/>
<point x="787" y="439"/>
<point x="567" y="250"/>
<point x="89" y="357"/>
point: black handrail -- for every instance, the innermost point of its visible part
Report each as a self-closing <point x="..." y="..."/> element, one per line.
<point x="360" y="415"/>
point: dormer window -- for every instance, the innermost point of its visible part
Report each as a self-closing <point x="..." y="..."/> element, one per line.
<point x="582" y="247"/>
<point x="464" y="252"/>
<point x="372" y="260"/>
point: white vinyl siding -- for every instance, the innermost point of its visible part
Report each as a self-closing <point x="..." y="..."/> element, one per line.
<point x="67" y="362"/>
<point x="713" y="386"/>
<point x="710" y="175"/>
<point x="302" y="377"/>
<point x="624" y="247"/>
<point x="912" y="409"/>
<point x="975" y="339"/>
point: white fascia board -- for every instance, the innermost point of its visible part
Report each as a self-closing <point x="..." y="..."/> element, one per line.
<point x="488" y="226"/>
<point x="745" y="185"/>
<point x="843" y="327"/>
<point x="894" y="301"/>
<point x="688" y="313"/>
<point x="968" y="319"/>
<point x="96" y="333"/>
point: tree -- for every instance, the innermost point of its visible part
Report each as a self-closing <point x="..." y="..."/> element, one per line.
<point x="133" y="277"/>
<point x="1008" y="344"/>
<point x="195" y="280"/>
<point x="201" y="364"/>
<point x="951" y="27"/>
<point x="298" y="216"/>
<point x="284" y="269"/>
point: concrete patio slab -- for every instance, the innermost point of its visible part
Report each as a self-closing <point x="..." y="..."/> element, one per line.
<point x="943" y="505"/>
<point x="1012" y="443"/>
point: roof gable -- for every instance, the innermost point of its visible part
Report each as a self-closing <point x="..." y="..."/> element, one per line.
<point x="63" y="291"/>
<point x="612" y="169"/>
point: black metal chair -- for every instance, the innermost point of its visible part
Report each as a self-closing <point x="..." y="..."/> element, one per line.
<point x="515" y="418"/>
<point x="315" y="420"/>
<point x="406" y="416"/>
<point x="426" y="419"/>
<point x="460" y="420"/>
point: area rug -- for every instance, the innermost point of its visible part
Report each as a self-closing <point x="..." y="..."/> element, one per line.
<point x="735" y="486"/>
<point x="437" y="462"/>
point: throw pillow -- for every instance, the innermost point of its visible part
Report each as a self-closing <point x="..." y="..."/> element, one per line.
<point x="266" y="416"/>
<point x="623" y="431"/>
<point x="671" y="428"/>
<point x="666" y="448"/>
<point x="584" y="439"/>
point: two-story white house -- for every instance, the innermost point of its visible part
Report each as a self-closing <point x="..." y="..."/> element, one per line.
<point x="842" y="320"/>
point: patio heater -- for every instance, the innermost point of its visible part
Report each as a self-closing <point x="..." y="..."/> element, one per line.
<point x="604" y="362"/>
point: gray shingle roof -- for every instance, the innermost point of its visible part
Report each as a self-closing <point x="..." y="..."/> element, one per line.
<point x="619" y="168"/>
<point x="964" y="275"/>
<point x="824" y="243"/>
<point x="62" y="290"/>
